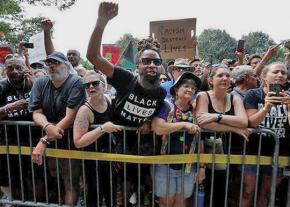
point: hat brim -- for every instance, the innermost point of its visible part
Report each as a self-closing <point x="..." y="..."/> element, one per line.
<point x="185" y="75"/>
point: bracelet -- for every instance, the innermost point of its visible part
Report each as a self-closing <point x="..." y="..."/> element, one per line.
<point x="219" y="118"/>
<point x="102" y="130"/>
<point x="44" y="141"/>
<point x="43" y="129"/>
<point x="202" y="167"/>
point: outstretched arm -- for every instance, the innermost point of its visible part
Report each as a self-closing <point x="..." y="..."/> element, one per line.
<point x="47" y="26"/>
<point x="107" y="11"/>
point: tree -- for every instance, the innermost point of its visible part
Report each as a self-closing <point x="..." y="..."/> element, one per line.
<point x="257" y="42"/>
<point x="215" y="45"/>
<point x="15" y="26"/>
<point x="123" y="42"/>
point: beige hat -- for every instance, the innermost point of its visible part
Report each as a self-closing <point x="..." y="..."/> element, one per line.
<point x="180" y="63"/>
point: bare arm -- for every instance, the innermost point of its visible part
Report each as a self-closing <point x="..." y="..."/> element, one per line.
<point x="82" y="137"/>
<point x="237" y="120"/>
<point x="256" y="116"/>
<point x="269" y="54"/>
<point x="240" y="118"/>
<point x="107" y="11"/>
<point x="47" y="26"/>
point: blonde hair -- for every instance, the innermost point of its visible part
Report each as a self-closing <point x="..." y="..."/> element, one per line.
<point x="100" y="76"/>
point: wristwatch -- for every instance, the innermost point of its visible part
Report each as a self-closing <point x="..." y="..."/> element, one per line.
<point x="219" y="118"/>
<point x="102" y="130"/>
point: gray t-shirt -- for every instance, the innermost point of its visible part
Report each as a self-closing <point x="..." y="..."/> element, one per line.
<point x="53" y="101"/>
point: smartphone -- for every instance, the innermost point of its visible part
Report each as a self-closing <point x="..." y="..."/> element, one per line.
<point x="28" y="45"/>
<point x="241" y="46"/>
<point x="277" y="88"/>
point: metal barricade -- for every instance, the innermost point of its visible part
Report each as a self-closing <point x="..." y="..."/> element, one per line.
<point x="129" y="166"/>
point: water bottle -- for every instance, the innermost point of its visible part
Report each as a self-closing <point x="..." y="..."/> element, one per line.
<point x="200" y="196"/>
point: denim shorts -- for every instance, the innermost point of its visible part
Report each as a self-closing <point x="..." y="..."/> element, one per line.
<point x="172" y="184"/>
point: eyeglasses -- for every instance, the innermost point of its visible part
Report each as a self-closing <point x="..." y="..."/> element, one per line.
<point x="95" y="84"/>
<point x="148" y="61"/>
<point x="52" y="62"/>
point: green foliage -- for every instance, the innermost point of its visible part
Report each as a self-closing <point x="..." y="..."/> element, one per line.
<point x="18" y="28"/>
<point x="215" y="45"/>
<point x="9" y="7"/>
<point x="257" y="42"/>
<point x="123" y="42"/>
<point x="86" y="64"/>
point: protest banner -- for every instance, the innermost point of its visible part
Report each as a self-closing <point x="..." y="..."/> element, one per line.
<point x="111" y="52"/>
<point x="175" y="37"/>
<point x="38" y="52"/>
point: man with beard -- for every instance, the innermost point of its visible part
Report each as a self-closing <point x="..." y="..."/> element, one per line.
<point x="14" y="92"/>
<point x="55" y="100"/>
<point x="138" y="98"/>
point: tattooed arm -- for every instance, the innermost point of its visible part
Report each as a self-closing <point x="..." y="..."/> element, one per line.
<point x="82" y="136"/>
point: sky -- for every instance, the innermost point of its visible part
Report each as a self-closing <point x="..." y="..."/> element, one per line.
<point x="73" y="27"/>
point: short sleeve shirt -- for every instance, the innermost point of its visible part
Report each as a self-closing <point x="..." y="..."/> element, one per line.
<point x="54" y="101"/>
<point x="276" y="120"/>
<point x="140" y="105"/>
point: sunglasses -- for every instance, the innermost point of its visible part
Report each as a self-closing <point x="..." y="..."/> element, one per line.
<point x="95" y="84"/>
<point x="52" y="62"/>
<point x="148" y="61"/>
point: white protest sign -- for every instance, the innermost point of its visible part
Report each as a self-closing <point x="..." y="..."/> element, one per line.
<point x="38" y="52"/>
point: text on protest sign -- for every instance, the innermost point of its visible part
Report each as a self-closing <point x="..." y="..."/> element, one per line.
<point x="175" y="37"/>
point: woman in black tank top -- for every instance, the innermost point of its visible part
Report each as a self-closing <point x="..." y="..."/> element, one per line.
<point x="218" y="111"/>
<point x="97" y="110"/>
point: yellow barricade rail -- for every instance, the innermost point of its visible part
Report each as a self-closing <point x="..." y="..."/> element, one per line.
<point x="156" y="159"/>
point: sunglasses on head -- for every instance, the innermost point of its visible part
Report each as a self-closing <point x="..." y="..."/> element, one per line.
<point x="93" y="83"/>
<point x="52" y="62"/>
<point x="148" y="61"/>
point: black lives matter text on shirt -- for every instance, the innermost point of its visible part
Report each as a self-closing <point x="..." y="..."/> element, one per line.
<point x="139" y="105"/>
<point x="10" y="94"/>
<point x="276" y="119"/>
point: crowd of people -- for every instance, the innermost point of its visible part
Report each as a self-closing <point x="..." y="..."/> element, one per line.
<point x="168" y="107"/>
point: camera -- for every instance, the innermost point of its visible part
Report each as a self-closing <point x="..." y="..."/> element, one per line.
<point x="28" y="45"/>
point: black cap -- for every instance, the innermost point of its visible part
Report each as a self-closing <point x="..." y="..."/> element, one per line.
<point x="58" y="56"/>
<point x="185" y="75"/>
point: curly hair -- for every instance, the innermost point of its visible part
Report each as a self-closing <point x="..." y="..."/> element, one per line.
<point x="147" y="44"/>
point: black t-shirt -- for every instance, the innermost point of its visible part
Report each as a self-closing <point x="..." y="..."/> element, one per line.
<point x="9" y="94"/>
<point x="276" y="119"/>
<point x="54" y="101"/>
<point x="138" y="106"/>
